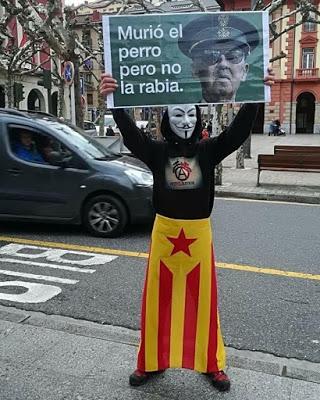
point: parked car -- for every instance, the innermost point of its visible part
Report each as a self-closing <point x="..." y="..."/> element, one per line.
<point x="65" y="176"/>
<point x="90" y="128"/>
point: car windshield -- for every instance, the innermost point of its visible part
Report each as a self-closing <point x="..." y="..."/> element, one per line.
<point x="88" y="146"/>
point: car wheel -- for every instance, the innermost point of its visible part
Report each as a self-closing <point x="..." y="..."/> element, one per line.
<point x="105" y="216"/>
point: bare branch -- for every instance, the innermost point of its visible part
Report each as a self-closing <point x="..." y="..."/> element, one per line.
<point x="276" y="35"/>
<point x="278" y="57"/>
<point x="36" y="68"/>
<point x="274" y="5"/>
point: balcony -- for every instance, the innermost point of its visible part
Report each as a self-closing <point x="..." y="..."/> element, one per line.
<point x="307" y="73"/>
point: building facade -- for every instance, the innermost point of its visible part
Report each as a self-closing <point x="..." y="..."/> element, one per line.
<point x="295" y="97"/>
<point x="34" y="94"/>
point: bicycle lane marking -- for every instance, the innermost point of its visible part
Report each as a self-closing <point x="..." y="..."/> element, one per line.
<point x="105" y="251"/>
<point x="25" y="254"/>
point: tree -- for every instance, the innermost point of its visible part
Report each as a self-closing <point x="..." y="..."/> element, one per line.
<point x="47" y="26"/>
<point x="306" y="11"/>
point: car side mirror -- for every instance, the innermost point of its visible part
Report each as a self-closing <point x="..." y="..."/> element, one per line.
<point x="58" y="159"/>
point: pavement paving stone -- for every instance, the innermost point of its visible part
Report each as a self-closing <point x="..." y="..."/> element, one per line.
<point x="18" y="382"/>
<point x="46" y="364"/>
<point x="25" y="344"/>
<point x="305" y="391"/>
<point x="83" y="357"/>
<point x="103" y="389"/>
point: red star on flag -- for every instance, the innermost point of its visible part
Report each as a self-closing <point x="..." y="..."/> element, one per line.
<point x="181" y="243"/>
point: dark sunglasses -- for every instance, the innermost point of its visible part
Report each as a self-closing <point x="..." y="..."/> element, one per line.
<point x="211" y="56"/>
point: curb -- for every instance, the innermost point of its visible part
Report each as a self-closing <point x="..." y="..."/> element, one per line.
<point x="244" y="359"/>
<point x="254" y="194"/>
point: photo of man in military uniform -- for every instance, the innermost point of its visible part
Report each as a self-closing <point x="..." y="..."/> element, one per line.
<point x="219" y="46"/>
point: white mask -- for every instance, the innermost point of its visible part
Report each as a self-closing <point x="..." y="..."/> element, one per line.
<point x="182" y="119"/>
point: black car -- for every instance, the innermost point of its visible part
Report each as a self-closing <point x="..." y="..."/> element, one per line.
<point x="58" y="174"/>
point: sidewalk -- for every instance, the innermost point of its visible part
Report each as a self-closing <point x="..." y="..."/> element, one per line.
<point x="282" y="186"/>
<point x="57" y="358"/>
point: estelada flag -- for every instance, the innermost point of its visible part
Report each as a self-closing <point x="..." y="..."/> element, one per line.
<point x="180" y="324"/>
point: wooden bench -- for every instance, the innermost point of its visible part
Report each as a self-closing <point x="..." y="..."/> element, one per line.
<point x="287" y="149"/>
<point x="297" y="162"/>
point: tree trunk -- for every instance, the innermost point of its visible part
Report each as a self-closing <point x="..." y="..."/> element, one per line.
<point x="240" y="158"/>
<point x="216" y="130"/>
<point x="158" y="123"/>
<point x="102" y="110"/>
<point x="61" y="99"/>
<point x="9" y="90"/>
<point x="150" y="120"/>
<point x="218" y="174"/>
<point x="247" y="147"/>
<point x="77" y="94"/>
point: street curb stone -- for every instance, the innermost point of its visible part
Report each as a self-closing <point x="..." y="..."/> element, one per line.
<point x="253" y="194"/>
<point x="244" y="359"/>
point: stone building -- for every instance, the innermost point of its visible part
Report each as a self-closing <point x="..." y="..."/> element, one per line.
<point x="36" y="97"/>
<point x="295" y="97"/>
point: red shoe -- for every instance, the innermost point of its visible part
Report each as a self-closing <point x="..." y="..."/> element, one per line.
<point x="138" y="378"/>
<point x="220" y="381"/>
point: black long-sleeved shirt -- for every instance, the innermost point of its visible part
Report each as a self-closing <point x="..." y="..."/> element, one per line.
<point x="184" y="174"/>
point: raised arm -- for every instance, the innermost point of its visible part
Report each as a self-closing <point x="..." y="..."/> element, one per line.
<point x="235" y="134"/>
<point x="133" y="138"/>
<point x="239" y="130"/>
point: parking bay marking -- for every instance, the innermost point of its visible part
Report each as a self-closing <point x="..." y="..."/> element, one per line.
<point x="36" y="292"/>
<point x="37" y="264"/>
<point x="38" y="277"/>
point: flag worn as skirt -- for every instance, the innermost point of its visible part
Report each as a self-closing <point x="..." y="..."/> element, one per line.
<point x="180" y="323"/>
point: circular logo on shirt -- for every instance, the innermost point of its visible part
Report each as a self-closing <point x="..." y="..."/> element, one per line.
<point x="181" y="170"/>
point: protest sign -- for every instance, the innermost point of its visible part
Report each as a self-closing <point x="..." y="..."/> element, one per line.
<point x="160" y="59"/>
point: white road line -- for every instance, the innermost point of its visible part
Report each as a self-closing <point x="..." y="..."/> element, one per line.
<point x="38" y="264"/>
<point x="39" y="277"/>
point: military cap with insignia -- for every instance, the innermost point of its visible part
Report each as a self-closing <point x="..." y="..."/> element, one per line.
<point x="205" y="31"/>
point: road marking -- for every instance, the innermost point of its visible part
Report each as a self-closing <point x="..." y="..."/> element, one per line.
<point x="100" y="250"/>
<point x="268" y="271"/>
<point x="17" y="253"/>
<point x="39" y="277"/>
<point x="37" y="264"/>
<point x="55" y="255"/>
<point x="36" y="292"/>
<point x="68" y="246"/>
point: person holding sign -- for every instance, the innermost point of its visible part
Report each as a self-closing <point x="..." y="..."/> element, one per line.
<point x="180" y="326"/>
<point x="218" y="46"/>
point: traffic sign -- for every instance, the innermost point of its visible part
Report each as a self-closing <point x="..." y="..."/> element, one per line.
<point x="68" y="72"/>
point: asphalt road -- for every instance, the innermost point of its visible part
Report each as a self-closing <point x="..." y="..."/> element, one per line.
<point x="268" y="258"/>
